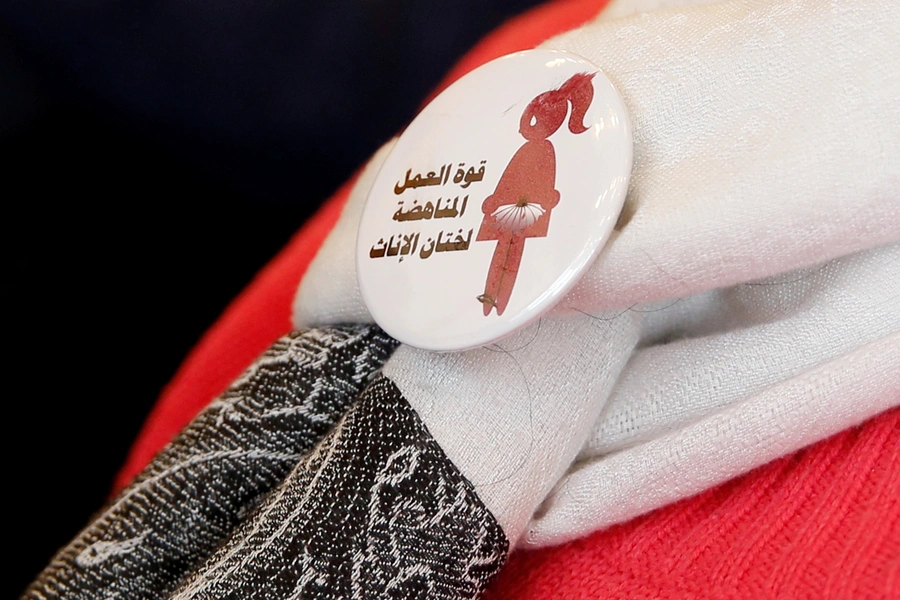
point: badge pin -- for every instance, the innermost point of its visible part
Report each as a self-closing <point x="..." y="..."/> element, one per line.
<point x="494" y="201"/>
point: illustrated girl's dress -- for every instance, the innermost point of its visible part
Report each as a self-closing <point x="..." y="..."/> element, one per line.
<point x="520" y="206"/>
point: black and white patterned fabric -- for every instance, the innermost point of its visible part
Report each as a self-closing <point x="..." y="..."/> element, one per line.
<point x="376" y="511"/>
<point x="190" y="498"/>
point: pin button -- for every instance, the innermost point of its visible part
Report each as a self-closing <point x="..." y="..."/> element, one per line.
<point x="494" y="201"/>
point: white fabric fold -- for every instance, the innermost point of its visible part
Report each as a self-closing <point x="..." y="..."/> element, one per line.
<point x="512" y="416"/>
<point x="775" y="365"/>
<point x="749" y="304"/>
<point x="727" y="443"/>
<point x="329" y="293"/>
<point x="767" y="139"/>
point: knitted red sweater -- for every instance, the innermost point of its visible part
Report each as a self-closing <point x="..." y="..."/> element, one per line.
<point x="821" y="523"/>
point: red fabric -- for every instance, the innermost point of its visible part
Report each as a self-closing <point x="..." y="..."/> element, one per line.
<point x="821" y="523"/>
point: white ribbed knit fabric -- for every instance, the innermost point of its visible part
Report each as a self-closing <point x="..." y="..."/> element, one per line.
<point x="749" y="304"/>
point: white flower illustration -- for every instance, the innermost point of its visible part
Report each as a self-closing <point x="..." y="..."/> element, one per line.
<point x="518" y="216"/>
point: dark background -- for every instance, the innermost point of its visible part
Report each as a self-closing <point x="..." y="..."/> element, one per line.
<point x="155" y="154"/>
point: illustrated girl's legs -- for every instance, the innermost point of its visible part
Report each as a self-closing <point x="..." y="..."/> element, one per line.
<point x="509" y="271"/>
<point x="495" y="274"/>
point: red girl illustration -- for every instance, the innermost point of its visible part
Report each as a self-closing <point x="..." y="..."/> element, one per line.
<point x="520" y="206"/>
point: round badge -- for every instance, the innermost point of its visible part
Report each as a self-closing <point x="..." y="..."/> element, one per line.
<point x="494" y="201"/>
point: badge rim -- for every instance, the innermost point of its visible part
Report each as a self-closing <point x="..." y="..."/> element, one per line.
<point x="550" y="297"/>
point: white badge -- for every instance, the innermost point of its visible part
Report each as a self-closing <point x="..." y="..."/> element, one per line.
<point x="494" y="201"/>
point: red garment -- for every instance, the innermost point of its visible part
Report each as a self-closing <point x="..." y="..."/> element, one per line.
<point x="823" y="522"/>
